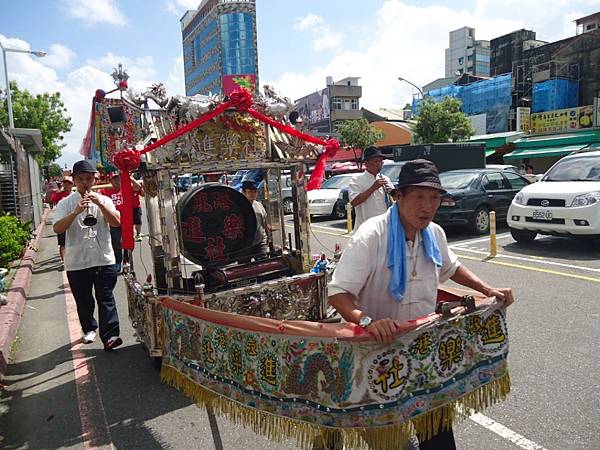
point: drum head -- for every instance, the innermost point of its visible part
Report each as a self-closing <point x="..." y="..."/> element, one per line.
<point x="216" y="224"/>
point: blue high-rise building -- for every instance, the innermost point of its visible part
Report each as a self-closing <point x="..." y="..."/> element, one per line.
<point x="220" y="47"/>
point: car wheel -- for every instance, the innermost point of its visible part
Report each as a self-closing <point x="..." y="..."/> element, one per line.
<point x="522" y="235"/>
<point x="339" y="210"/>
<point x="288" y="206"/>
<point x="481" y="220"/>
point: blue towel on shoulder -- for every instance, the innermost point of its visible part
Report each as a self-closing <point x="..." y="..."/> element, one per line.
<point x="396" y="253"/>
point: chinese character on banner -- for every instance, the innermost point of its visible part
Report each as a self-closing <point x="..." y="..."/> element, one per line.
<point x="423" y="344"/>
<point x="233" y="227"/>
<point x="251" y="347"/>
<point x="236" y="360"/>
<point x="492" y="331"/>
<point x="192" y="230"/>
<point x="202" y="203"/>
<point x="268" y="370"/>
<point x="222" y="201"/>
<point x="215" y="248"/>
<point x="391" y="378"/>
<point x="450" y="352"/>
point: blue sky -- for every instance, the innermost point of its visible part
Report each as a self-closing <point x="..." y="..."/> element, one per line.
<point x="300" y="43"/>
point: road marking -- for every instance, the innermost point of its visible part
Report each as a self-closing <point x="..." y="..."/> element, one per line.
<point x="485" y="239"/>
<point x="94" y="427"/>
<point x="534" y="269"/>
<point x="537" y="261"/>
<point x="321" y="228"/>
<point x="504" y="432"/>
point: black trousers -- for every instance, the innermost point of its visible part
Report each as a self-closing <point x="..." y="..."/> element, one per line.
<point x="115" y="238"/>
<point x="444" y="440"/>
<point x="102" y="279"/>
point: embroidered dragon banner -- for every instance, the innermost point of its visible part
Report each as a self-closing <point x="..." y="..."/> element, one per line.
<point x="289" y="383"/>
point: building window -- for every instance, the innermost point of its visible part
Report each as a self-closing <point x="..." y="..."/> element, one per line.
<point x="347" y="104"/>
<point x="336" y="103"/>
<point x="461" y="61"/>
<point x="354" y="103"/>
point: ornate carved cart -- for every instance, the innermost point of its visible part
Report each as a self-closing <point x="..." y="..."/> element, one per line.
<point x="244" y="333"/>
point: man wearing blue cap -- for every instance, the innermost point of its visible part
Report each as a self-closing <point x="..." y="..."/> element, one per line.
<point x="86" y="218"/>
<point x="392" y="266"/>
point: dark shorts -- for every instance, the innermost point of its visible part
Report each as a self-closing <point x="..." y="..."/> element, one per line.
<point x="61" y="239"/>
<point x="137" y="216"/>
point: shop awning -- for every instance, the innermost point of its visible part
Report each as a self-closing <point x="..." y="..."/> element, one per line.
<point x="554" y="145"/>
<point x="494" y="141"/>
<point x="542" y="152"/>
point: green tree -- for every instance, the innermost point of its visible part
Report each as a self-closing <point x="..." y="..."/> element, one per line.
<point x="44" y="111"/>
<point x="442" y="122"/>
<point x="358" y="133"/>
<point x="54" y="170"/>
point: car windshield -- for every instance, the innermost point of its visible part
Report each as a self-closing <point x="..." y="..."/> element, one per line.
<point x="457" y="180"/>
<point x="337" y="182"/>
<point x="575" y="169"/>
<point x="392" y="171"/>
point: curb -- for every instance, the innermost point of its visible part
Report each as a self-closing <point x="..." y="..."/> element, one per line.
<point x="10" y="314"/>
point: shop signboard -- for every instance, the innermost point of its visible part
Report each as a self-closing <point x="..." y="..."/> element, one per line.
<point x="315" y="111"/>
<point x="523" y="119"/>
<point x="233" y="82"/>
<point x="581" y="117"/>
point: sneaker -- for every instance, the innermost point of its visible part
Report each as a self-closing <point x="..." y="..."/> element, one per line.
<point x="89" y="337"/>
<point x="138" y="238"/>
<point x="112" y="343"/>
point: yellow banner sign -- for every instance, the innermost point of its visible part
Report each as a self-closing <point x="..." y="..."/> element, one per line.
<point x="563" y="119"/>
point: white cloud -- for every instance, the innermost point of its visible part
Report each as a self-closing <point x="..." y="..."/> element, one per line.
<point x="59" y="56"/>
<point x="409" y="41"/>
<point x="323" y="36"/>
<point x="93" y="12"/>
<point x="178" y="7"/>
<point x="175" y="84"/>
<point x="308" y="22"/>
<point x="141" y="69"/>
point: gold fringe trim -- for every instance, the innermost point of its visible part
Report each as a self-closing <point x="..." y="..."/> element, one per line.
<point x="278" y="428"/>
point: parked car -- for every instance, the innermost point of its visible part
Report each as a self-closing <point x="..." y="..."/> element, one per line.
<point x="392" y="170"/>
<point x="473" y="193"/>
<point x="502" y="167"/>
<point x="565" y="202"/>
<point x="286" y="194"/>
<point x="331" y="199"/>
<point x="187" y="181"/>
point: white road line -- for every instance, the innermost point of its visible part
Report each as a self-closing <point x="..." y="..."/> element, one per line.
<point x="534" y="260"/>
<point x="504" y="432"/>
<point x="484" y="239"/>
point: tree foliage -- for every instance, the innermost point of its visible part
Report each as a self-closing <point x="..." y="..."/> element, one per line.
<point x="14" y="236"/>
<point x="54" y="170"/>
<point x="442" y="122"/>
<point x="358" y="133"/>
<point x="44" y="111"/>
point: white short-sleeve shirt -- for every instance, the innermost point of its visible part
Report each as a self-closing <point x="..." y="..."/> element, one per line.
<point x="362" y="272"/>
<point x="86" y="247"/>
<point x="374" y="205"/>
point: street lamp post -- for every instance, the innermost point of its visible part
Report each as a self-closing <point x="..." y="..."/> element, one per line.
<point x="39" y="54"/>
<point x="413" y="85"/>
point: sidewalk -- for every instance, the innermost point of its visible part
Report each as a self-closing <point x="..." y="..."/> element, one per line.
<point x="11" y="313"/>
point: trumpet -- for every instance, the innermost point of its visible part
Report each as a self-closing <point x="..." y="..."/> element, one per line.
<point x="89" y="220"/>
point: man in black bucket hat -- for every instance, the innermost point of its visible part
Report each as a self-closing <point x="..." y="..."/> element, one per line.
<point x="368" y="191"/>
<point x="390" y="270"/>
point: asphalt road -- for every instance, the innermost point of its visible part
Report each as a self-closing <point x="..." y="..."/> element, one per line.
<point x="553" y="362"/>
